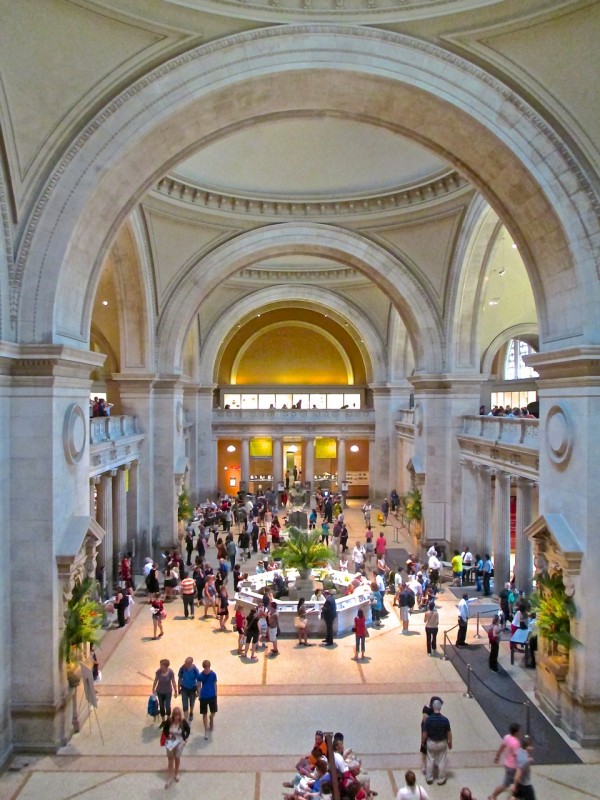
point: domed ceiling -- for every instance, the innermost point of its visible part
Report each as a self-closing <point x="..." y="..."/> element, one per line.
<point x="311" y="158"/>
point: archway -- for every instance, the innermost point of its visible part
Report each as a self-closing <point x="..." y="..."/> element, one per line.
<point x="169" y="113"/>
<point x="374" y="351"/>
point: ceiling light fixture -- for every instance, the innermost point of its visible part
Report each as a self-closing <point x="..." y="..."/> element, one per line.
<point x="231" y="448"/>
<point x="501" y="272"/>
<point x="292" y="449"/>
<point x="354" y="448"/>
<point x="494" y="301"/>
<point x="105" y="302"/>
<point x="514" y="246"/>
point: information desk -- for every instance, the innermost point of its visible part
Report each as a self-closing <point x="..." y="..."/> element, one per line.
<point x="250" y="595"/>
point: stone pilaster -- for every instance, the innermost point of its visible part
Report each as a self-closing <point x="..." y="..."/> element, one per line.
<point x="381" y="445"/>
<point x="309" y="468"/>
<point x="170" y="463"/>
<point x="501" y="530"/>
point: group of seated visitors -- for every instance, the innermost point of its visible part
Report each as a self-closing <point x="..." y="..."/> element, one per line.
<point x="317" y="772"/>
<point x="507" y="411"/>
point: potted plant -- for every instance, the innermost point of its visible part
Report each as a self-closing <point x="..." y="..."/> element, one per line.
<point x="413" y="509"/>
<point x="184" y="506"/>
<point x="84" y="617"/>
<point x="554" y="611"/>
<point x="303" y="550"/>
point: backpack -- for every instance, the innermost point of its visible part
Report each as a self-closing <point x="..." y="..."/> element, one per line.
<point x="153" y="706"/>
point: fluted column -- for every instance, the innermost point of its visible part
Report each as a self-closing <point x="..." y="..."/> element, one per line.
<point x="484" y="509"/>
<point x="471" y="532"/>
<point x="309" y="467"/>
<point x="105" y="519"/>
<point x="341" y="463"/>
<point x="119" y="513"/>
<point x="501" y="531"/>
<point x="524" y="553"/>
<point x="245" y="461"/>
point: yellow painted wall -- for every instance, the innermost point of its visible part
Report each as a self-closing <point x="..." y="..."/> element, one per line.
<point x="289" y="355"/>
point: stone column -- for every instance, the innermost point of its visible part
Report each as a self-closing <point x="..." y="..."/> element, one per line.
<point x="277" y="462"/>
<point x="501" y="531"/>
<point x="203" y="452"/>
<point x="484" y="511"/>
<point x="46" y="435"/>
<point x="142" y="542"/>
<point x="380" y="445"/>
<point x="524" y="553"/>
<point x="440" y="403"/>
<point x="245" y="460"/>
<point x="105" y="519"/>
<point x="93" y="486"/>
<point x="309" y="468"/>
<point x="469" y="488"/>
<point x="341" y="463"/>
<point x="119" y="514"/>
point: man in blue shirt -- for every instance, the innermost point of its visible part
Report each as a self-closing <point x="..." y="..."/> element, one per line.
<point x="208" y="696"/>
<point x="188" y="678"/>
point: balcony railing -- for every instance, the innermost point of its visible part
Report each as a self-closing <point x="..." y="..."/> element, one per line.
<point x="503" y="430"/>
<point x="281" y="416"/>
<point x="109" y="429"/>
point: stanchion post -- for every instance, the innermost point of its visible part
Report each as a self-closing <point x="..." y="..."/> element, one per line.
<point x="445" y="647"/>
<point x="528" y="717"/>
<point x="468" y="693"/>
<point x="477" y="635"/>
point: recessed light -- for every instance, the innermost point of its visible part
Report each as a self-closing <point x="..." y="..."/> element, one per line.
<point x="502" y="272"/>
<point x="105" y="302"/>
<point x="231" y="448"/>
<point x="514" y="246"/>
<point x="354" y="448"/>
<point x="258" y="315"/>
<point x="494" y="301"/>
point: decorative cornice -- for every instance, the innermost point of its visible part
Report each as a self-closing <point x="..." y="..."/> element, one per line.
<point x="318" y="275"/>
<point x="367" y="11"/>
<point x="440" y="187"/>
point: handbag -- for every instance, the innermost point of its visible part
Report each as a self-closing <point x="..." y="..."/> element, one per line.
<point x="163" y="614"/>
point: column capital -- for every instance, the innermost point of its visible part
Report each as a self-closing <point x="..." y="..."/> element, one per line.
<point x="47" y="362"/>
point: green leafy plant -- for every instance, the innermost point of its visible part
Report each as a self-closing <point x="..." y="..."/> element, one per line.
<point x="185" y="509"/>
<point x="554" y="610"/>
<point x="84" y="616"/>
<point x="413" y="506"/>
<point x="303" y="550"/>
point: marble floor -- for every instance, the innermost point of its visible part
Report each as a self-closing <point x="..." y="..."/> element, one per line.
<point x="268" y="712"/>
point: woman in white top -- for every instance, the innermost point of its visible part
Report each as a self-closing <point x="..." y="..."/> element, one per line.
<point x="412" y="791"/>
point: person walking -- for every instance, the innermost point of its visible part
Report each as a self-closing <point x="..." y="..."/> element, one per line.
<point x="360" y="633"/>
<point x="463" y="621"/>
<point x="187" y="683"/>
<point x="508" y="750"/>
<point x="174" y="736"/>
<point x="252" y="633"/>
<point x="223" y="612"/>
<point x="158" y="614"/>
<point x="273" y="627"/>
<point x="301" y="623"/>
<point x="494" y="639"/>
<point x="432" y="624"/>
<point x="522" y="788"/>
<point x="412" y="791"/>
<point x="164" y="687"/>
<point x="385" y="510"/>
<point x="187" y="587"/>
<point x="437" y="738"/>
<point x="208" y="696"/>
<point x="328" y="615"/>
<point x="358" y="557"/>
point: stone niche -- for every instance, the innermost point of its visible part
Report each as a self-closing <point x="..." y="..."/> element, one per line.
<point x="557" y="552"/>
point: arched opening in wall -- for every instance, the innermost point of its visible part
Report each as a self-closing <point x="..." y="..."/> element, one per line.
<point x="513" y="387"/>
<point x="291" y="357"/>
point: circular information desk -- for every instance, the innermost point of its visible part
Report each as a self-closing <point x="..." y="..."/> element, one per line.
<point x="250" y="594"/>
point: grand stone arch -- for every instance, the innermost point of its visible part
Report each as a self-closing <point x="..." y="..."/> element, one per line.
<point x="477" y="235"/>
<point x="516" y="159"/>
<point x="337" y="244"/>
<point x="303" y="295"/>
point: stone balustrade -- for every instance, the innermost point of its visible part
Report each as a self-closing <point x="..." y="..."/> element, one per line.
<point x="114" y="442"/>
<point x="503" y="430"/>
<point x="406" y="416"/>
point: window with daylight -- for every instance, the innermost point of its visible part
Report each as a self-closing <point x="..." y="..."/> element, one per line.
<point x="515" y="368"/>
